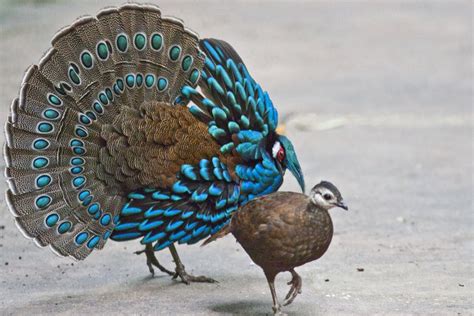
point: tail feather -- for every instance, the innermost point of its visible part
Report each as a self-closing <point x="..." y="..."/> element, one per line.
<point x="221" y="233"/>
<point x="62" y="189"/>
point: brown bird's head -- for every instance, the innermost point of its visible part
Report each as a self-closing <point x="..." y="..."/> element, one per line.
<point x="326" y="196"/>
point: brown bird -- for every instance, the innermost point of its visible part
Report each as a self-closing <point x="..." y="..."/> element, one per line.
<point x="284" y="230"/>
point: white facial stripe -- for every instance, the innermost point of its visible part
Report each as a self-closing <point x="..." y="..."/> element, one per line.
<point x="276" y="149"/>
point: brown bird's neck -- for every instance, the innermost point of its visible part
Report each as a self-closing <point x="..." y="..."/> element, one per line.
<point x="321" y="219"/>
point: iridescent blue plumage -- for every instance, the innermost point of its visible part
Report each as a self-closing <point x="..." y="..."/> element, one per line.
<point x="184" y="213"/>
<point x="240" y="118"/>
<point x="111" y="138"/>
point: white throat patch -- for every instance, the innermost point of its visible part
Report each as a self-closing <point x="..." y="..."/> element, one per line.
<point x="276" y="148"/>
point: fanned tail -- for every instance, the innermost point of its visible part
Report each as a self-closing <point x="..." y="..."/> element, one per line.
<point x="60" y="191"/>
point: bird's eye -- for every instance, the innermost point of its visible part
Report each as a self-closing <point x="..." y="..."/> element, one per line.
<point x="327" y="196"/>
<point x="281" y="154"/>
<point x="278" y="152"/>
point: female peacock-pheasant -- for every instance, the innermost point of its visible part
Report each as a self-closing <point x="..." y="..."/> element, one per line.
<point x="131" y="127"/>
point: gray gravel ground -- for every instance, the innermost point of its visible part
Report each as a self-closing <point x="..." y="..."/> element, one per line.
<point x="377" y="98"/>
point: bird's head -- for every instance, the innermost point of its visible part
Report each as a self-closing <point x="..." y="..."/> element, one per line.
<point x="285" y="158"/>
<point x="326" y="196"/>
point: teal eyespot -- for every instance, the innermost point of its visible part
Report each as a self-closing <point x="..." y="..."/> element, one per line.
<point x="43" y="180"/>
<point x="40" y="144"/>
<point x="105" y="220"/>
<point x="156" y="41"/>
<point x="78" y="150"/>
<point x="139" y="80"/>
<point x="174" y="52"/>
<point x="122" y="43"/>
<point x="76" y="142"/>
<point x="64" y="227"/>
<point x="120" y="84"/>
<point x="139" y="41"/>
<point x="84" y="119"/>
<point x="162" y="83"/>
<point x="77" y="161"/>
<point x="194" y="76"/>
<point x="54" y="100"/>
<point x="40" y="162"/>
<point x="98" y="108"/>
<point x="149" y="80"/>
<point x="102" y="50"/>
<point x="52" y="220"/>
<point x="103" y="98"/>
<point x="43" y="201"/>
<point x="81" y="238"/>
<point x="86" y="60"/>
<point x="44" y="127"/>
<point x="130" y="80"/>
<point x="81" y="131"/>
<point x="50" y="114"/>
<point x="109" y="94"/>
<point x="187" y="62"/>
<point x="78" y="181"/>
<point x="83" y="195"/>
<point x="93" y="242"/>
<point x="76" y="170"/>
<point x="93" y="208"/>
<point x="73" y="73"/>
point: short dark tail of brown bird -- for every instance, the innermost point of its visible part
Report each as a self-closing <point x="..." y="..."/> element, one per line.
<point x="221" y="233"/>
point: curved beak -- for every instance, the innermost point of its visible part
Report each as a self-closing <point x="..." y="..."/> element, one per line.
<point x="295" y="169"/>
<point x="342" y="205"/>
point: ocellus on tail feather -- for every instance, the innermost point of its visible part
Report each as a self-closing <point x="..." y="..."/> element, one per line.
<point x="131" y="127"/>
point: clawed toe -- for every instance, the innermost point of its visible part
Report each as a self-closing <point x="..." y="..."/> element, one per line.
<point x="188" y="278"/>
<point x="296" y="285"/>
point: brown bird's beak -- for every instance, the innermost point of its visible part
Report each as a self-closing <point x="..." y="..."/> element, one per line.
<point x="342" y="205"/>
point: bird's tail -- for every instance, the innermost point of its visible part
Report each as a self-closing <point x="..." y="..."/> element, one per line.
<point x="62" y="190"/>
<point x="221" y="233"/>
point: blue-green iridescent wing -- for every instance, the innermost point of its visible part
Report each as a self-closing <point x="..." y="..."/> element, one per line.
<point x="239" y="113"/>
<point x="199" y="203"/>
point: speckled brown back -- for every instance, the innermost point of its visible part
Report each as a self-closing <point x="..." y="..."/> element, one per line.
<point x="282" y="230"/>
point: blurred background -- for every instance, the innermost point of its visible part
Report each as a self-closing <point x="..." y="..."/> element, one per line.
<point x="376" y="97"/>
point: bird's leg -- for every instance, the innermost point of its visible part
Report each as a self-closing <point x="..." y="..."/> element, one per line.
<point x="151" y="260"/>
<point x="181" y="272"/>
<point x="271" y="283"/>
<point x="296" y="284"/>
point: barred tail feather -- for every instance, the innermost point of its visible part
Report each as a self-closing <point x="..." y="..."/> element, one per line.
<point x="123" y="57"/>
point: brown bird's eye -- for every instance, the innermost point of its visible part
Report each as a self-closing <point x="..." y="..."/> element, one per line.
<point x="327" y="196"/>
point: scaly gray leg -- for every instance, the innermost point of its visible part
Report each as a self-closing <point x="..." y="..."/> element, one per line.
<point x="151" y="260"/>
<point x="181" y="272"/>
<point x="271" y="283"/>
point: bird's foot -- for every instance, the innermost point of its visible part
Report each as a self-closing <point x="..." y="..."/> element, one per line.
<point x="296" y="285"/>
<point x="151" y="261"/>
<point x="188" y="278"/>
<point x="277" y="310"/>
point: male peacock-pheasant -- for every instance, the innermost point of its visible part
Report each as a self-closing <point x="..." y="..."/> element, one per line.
<point x="131" y="127"/>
